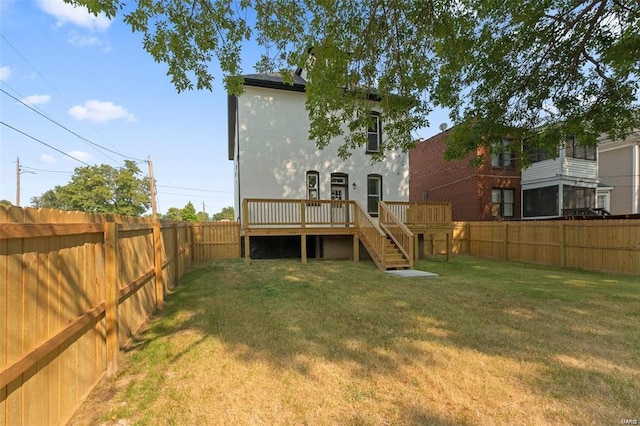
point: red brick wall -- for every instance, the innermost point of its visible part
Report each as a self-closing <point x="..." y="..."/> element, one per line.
<point x="468" y="189"/>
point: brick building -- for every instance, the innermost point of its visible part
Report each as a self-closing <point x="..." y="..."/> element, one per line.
<point x="490" y="191"/>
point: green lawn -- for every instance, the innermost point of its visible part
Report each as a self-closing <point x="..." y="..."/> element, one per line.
<point x="280" y="342"/>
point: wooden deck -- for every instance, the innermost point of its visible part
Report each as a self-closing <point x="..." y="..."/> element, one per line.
<point x="391" y="239"/>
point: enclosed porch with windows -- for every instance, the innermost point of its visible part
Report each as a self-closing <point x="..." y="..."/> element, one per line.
<point x="391" y="239"/>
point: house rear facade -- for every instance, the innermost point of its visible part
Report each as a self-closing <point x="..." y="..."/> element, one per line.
<point x="274" y="158"/>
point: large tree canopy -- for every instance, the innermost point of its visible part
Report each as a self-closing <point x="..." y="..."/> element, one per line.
<point x="532" y="69"/>
<point x="101" y="189"/>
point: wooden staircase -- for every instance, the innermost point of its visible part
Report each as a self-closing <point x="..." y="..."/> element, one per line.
<point x="393" y="257"/>
<point x="388" y="241"/>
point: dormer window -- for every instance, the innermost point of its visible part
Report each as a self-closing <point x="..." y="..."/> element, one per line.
<point x="374" y="133"/>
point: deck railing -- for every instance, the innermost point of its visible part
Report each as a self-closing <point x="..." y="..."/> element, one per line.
<point x="371" y="235"/>
<point x="397" y="230"/>
<point x="421" y="214"/>
<point x="297" y="213"/>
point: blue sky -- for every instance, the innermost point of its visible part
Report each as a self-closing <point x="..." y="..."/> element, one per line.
<point x="92" y="76"/>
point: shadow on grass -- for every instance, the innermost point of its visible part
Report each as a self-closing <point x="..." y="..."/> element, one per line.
<point x="579" y="330"/>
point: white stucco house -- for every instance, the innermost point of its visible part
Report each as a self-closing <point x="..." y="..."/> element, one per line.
<point x="274" y="158"/>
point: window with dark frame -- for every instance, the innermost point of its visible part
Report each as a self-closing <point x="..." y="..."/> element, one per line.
<point x="374" y="133"/>
<point x="574" y="149"/>
<point x="503" y="154"/>
<point x="503" y="202"/>
<point x="374" y="193"/>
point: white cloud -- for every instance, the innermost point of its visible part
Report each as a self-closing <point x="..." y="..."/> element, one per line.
<point x="47" y="159"/>
<point x="100" y="112"/>
<point x="81" y="155"/>
<point x="5" y="73"/>
<point x="79" y="40"/>
<point x="75" y="15"/>
<point x="37" y="99"/>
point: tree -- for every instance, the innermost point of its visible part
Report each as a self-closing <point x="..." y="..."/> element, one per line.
<point x="186" y="214"/>
<point x="203" y="217"/>
<point x="533" y="69"/>
<point x="101" y="189"/>
<point x="5" y="203"/>
<point x="189" y="213"/>
<point x="173" y="214"/>
<point x="226" y="213"/>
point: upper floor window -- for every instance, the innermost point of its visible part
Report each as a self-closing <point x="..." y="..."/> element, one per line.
<point x="313" y="185"/>
<point x="502" y="154"/>
<point x="503" y="202"/>
<point x="374" y="133"/>
<point x="573" y="149"/>
<point x="374" y="193"/>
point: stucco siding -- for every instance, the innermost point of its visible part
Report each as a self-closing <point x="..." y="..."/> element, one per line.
<point x="275" y="153"/>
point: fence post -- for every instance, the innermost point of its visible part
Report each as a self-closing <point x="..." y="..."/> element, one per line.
<point x="157" y="250"/>
<point x="111" y="296"/>
<point x="176" y="253"/>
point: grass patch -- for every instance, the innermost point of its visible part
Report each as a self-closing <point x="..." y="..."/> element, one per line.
<point x="487" y="342"/>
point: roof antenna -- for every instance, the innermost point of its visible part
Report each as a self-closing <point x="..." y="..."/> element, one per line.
<point x="443" y="127"/>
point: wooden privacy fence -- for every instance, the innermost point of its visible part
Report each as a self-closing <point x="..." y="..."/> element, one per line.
<point x="601" y="245"/>
<point x="216" y="240"/>
<point x="74" y="288"/>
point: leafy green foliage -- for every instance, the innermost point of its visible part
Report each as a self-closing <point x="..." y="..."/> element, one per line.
<point x="534" y="69"/>
<point x="101" y="189"/>
<point x="189" y="213"/>
<point x="186" y="214"/>
<point x="227" y="213"/>
<point x="5" y="203"/>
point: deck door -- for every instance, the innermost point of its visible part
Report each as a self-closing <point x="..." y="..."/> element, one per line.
<point x="339" y="210"/>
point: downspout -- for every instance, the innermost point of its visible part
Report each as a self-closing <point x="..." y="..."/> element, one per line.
<point x="635" y="177"/>
<point x="237" y="153"/>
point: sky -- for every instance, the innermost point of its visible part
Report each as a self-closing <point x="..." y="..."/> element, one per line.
<point x="96" y="96"/>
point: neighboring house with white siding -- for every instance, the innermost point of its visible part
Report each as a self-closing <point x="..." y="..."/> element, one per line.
<point x="568" y="181"/>
<point x="274" y="158"/>
<point x="619" y="169"/>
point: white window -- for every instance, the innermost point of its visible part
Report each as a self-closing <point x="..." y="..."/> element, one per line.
<point x="374" y="133"/>
<point x="313" y="185"/>
<point x="503" y="202"/>
<point x="374" y="193"/>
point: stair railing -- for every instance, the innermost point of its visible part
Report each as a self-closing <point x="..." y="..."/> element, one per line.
<point x="371" y="236"/>
<point x="397" y="231"/>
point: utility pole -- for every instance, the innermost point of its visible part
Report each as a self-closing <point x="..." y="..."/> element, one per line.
<point x="18" y="181"/>
<point x="152" y="189"/>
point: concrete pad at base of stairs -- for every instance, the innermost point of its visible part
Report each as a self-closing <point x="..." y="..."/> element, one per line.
<point x="410" y="273"/>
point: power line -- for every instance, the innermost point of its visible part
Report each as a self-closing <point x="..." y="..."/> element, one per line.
<point x="44" y="143"/>
<point x="194" y="189"/>
<point x="44" y="170"/>
<point x="50" y="84"/>
<point x="69" y="130"/>
<point x="189" y="196"/>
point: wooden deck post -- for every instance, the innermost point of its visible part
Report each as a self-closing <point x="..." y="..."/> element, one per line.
<point x="247" y="249"/>
<point x="303" y="248"/>
<point x="356" y="248"/>
<point x="111" y="296"/>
